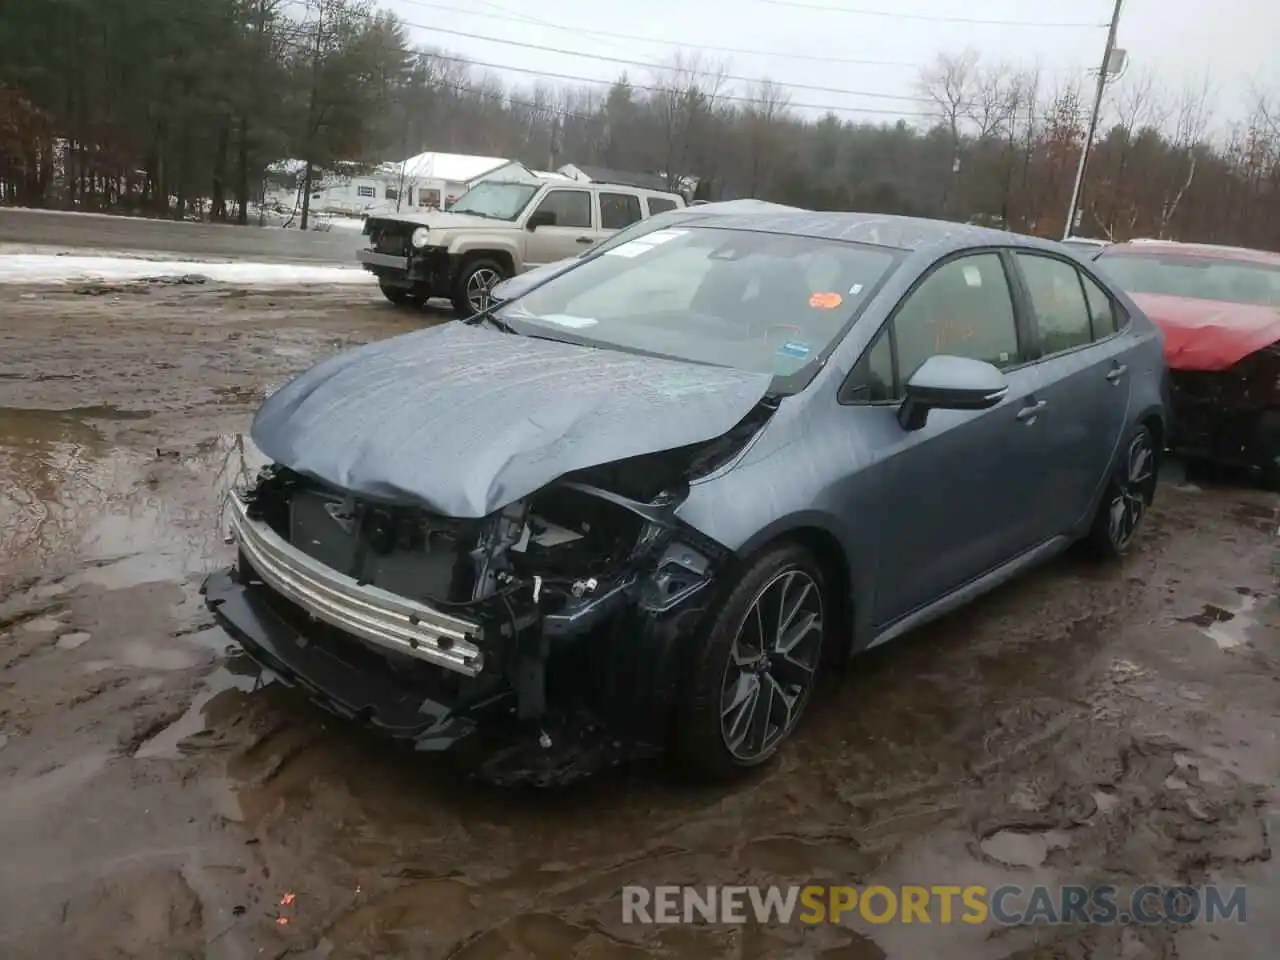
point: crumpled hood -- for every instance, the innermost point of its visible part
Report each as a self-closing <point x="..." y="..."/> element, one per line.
<point x="1209" y="334"/>
<point x="463" y="420"/>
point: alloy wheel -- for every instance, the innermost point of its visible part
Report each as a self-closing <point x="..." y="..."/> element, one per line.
<point x="1132" y="492"/>
<point x="479" y="284"/>
<point x="772" y="664"/>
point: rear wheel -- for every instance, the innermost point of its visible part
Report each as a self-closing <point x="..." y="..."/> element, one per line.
<point x="753" y="676"/>
<point x="1127" y="497"/>
<point x="476" y="279"/>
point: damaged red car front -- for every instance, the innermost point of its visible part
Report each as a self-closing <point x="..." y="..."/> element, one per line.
<point x="1219" y="308"/>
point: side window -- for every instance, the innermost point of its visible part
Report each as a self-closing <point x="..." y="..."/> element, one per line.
<point x="618" y="210"/>
<point x="659" y="205"/>
<point x="872" y="378"/>
<point x="1062" y="314"/>
<point x="572" y="208"/>
<point x="964" y="308"/>
<point x="1102" y="311"/>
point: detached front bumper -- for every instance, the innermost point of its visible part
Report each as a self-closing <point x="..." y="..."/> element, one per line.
<point x="335" y="678"/>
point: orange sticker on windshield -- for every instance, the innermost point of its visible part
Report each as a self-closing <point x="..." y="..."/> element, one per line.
<point x="825" y="301"/>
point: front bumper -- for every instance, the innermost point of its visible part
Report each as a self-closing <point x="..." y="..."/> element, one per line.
<point x="379" y="617"/>
<point x="431" y="268"/>
<point x="334" y="676"/>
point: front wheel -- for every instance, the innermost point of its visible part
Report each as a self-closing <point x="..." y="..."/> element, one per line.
<point x="475" y="281"/>
<point x="1128" y="495"/>
<point x="401" y="296"/>
<point x="755" y="671"/>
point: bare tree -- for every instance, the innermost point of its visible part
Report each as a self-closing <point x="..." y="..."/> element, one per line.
<point x="948" y="84"/>
<point x="1190" y="123"/>
<point x="763" y="119"/>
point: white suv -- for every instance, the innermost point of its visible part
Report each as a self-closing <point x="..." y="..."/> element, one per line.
<point x="497" y="230"/>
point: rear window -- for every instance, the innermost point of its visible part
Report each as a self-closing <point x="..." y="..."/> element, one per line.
<point x="660" y="205"/>
<point x="1199" y="278"/>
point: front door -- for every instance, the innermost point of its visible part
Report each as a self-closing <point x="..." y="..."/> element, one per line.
<point x="1084" y="381"/>
<point x="953" y="499"/>
<point x="571" y="231"/>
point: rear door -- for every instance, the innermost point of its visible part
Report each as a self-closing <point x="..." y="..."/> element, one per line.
<point x="958" y="497"/>
<point x="618" y="209"/>
<point x="1082" y="368"/>
<point x="573" y="231"/>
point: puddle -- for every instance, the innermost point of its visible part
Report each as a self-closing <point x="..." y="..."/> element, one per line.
<point x="224" y="685"/>
<point x="1019" y="849"/>
<point x="66" y="491"/>
<point x="1228" y="626"/>
<point x="74" y="640"/>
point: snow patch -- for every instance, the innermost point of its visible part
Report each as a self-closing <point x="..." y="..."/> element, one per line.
<point x="46" y="268"/>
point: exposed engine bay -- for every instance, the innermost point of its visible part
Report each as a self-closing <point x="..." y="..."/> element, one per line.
<point x="570" y="600"/>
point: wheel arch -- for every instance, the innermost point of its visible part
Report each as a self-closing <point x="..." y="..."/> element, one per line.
<point x="818" y="535"/>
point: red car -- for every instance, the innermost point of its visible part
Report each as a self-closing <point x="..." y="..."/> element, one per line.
<point x="1219" y="308"/>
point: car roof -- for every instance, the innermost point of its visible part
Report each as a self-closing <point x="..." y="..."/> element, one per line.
<point x="1207" y="251"/>
<point x="901" y="233"/>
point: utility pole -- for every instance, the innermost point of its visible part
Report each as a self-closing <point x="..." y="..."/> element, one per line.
<point x="1093" y="122"/>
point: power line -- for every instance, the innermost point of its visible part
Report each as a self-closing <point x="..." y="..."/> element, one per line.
<point x="893" y="15"/>
<point x="654" y="66"/>
<point x="636" y="86"/>
<point x="637" y="38"/>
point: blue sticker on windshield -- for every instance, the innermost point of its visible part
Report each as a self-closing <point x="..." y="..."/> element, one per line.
<point x="795" y="349"/>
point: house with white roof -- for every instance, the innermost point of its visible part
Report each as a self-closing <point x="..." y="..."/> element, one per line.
<point x="429" y="181"/>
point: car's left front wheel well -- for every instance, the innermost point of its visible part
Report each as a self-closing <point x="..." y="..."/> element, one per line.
<point x="830" y="557"/>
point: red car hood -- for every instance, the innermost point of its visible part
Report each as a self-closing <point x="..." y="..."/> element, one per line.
<point x="1209" y="334"/>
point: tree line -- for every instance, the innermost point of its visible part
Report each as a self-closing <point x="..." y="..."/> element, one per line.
<point x="179" y="108"/>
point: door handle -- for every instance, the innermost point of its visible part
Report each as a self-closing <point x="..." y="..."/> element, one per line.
<point x="585" y="240"/>
<point x="1029" y="413"/>
<point x="1116" y="372"/>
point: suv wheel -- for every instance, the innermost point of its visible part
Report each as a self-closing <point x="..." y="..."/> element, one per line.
<point x="1128" y="495"/>
<point x="471" y="292"/>
<point x="400" y="296"/>
<point x="754" y="673"/>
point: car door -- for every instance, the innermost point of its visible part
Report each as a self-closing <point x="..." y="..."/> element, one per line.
<point x="572" y="230"/>
<point x="955" y="498"/>
<point x="1083" y="381"/>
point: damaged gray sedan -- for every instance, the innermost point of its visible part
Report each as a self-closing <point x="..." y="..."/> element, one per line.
<point x="642" y="507"/>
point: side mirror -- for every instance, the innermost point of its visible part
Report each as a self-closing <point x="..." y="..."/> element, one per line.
<point x="950" y="383"/>
<point x="541" y="218"/>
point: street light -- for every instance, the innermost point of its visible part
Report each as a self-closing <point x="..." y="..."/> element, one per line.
<point x="1114" y="62"/>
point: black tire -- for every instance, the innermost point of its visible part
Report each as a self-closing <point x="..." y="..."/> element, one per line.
<point x="400" y="296"/>
<point x="484" y="272"/>
<point x="705" y="740"/>
<point x="1268" y="447"/>
<point x="1129" y="493"/>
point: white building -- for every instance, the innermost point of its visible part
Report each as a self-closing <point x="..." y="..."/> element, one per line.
<point x="429" y="181"/>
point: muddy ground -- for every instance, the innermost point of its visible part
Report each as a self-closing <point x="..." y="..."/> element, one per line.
<point x="1084" y="725"/>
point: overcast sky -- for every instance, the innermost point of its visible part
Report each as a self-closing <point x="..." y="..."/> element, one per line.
<point x="1233" y="42"/>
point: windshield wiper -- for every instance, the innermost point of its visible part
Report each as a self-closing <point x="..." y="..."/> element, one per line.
<point x="487" y="316"/>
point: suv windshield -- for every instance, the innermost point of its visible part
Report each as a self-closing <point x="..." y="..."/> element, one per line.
<point x="501" y="201"/>
<point x="1199" y="278"/>
<point x="765" y="302"/>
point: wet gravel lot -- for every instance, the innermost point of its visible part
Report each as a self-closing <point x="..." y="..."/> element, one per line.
<point x="1087" y="724"/>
